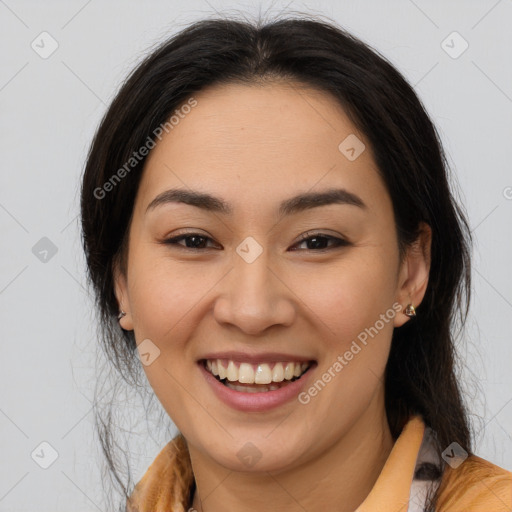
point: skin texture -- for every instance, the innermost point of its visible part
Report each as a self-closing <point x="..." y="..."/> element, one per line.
<point x="254" y="146"/>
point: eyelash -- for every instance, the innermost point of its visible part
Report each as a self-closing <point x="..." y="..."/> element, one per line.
<point x="340" y="242"/>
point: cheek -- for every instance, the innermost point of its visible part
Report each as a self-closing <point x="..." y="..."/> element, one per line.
<point x="162" y="294"/>
<point x="358" y="310"/>
<point x="351" y="294"/>
<point x="165" y="302"/>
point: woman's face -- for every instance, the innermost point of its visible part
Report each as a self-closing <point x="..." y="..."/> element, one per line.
<point x="252" y="296"/>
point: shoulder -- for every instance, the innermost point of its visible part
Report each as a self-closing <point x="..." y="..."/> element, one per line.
<point x="477" y="485"/>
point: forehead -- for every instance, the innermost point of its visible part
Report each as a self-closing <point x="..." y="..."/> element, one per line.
<point x="259" y="143"/>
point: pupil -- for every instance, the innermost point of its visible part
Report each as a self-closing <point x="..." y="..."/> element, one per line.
<point x="196" y="238"/>
<point x="317" y="242"/>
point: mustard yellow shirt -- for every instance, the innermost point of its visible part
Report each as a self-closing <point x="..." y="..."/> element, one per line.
<point x="476" y="485"/>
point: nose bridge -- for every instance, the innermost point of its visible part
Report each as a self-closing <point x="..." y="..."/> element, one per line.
<point x="255" y="298"/>
<point x="252" y="274"/>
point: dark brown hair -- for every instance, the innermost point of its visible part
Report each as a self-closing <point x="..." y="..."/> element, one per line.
<point x="420" y="375"/>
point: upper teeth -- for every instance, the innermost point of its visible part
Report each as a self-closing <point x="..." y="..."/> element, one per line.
<point x="260" y="373"/>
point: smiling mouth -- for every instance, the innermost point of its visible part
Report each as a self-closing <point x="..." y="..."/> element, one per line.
<point x="255" y="378"/>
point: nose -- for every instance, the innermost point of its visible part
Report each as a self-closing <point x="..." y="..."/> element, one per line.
<point x="254" y="297"/>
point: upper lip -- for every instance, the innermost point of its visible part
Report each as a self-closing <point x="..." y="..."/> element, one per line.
<point x="263" y="357"/>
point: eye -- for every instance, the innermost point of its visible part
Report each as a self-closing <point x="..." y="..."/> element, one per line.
<point x="197" y="241"/>
<point x="318" y="241"/>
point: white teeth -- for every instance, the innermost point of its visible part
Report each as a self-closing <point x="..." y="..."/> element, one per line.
<point x="278" y="373"/>
<point x="232" y="372"/>
<point x="288" y="371"/>
<point x="263" y="374"/>
<point x="246" y="373"/>
<point x="221" y="370"/>
<point x="246" y="389"/>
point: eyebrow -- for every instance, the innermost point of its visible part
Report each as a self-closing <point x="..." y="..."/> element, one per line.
<point x="296" y="204"/>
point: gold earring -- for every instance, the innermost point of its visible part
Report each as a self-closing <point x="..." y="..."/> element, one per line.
<point x="410" y="311"/>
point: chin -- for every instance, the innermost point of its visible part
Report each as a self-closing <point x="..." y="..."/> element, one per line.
<point x="256" y="454"/>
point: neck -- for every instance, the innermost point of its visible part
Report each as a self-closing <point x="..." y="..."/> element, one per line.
<point x="343" y="475"/>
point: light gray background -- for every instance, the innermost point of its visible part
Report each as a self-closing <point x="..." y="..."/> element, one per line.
<point x="50" y="109"/>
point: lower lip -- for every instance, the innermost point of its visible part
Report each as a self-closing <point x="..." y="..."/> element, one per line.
<point x="258" y="402"/>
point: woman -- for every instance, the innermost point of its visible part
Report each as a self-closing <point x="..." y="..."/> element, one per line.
<point x="266" y="214"/>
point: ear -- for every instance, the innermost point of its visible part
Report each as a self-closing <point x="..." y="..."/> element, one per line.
<point x="121" y="293"/>
<point x="414" y="273"/>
